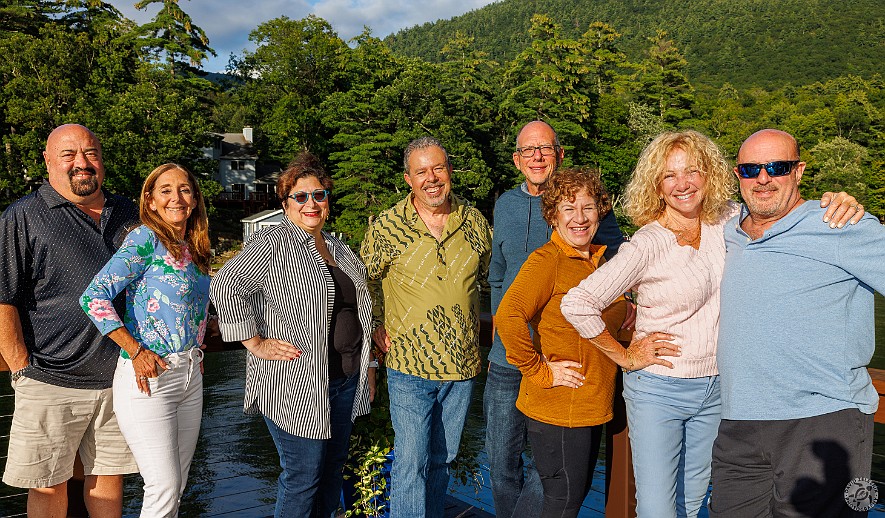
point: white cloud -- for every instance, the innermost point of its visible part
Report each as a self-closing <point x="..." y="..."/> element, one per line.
<point x="228" y="22"/>
<point x="387" y="16"/>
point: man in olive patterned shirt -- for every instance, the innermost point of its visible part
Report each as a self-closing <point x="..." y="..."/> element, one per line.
<point x="426" y="257"/>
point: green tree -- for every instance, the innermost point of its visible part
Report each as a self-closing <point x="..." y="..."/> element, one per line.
<point x="82" y="66"/>
<point x="471" y="86"/>
<point x="297" y="65"/>
<point x="172" y="37"/>
<point x="838" y="164"/>
<point x="366" y="140"/>
<point x="661" y="82"/>
<point x="605" y="60"/>
<point x="547" y="81"/>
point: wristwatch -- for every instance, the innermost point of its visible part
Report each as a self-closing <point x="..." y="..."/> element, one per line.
<point x="18" y="374"/>
<point x="373" y="364"/>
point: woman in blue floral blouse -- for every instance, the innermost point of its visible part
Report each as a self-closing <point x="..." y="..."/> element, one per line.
<point x="163" y="266"/>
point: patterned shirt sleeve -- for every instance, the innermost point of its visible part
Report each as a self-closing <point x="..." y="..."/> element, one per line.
<point x="127" y="264"/>
<point x="371" y="252"/>
<point x="486" y="255"/>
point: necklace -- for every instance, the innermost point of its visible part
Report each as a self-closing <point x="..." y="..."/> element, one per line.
<point x="685" y="236"/>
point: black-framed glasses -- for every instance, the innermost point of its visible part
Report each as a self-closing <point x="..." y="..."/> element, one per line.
<point x="529" y="151"/>
<point x="319" y="195"/>
<point x="776" y="168"/>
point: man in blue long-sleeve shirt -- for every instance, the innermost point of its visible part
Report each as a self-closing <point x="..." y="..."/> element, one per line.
<point x="519" y="229"/>
<point x="796" y="333"/>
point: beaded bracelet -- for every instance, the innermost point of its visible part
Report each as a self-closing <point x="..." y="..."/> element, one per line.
<point x="137" y="352"/>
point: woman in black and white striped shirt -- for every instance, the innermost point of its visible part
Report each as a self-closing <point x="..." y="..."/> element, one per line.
<point x="297" y="298"/>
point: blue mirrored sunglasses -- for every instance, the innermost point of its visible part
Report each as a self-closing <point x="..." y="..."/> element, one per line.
<point x="301" y="197"/>
<point x="776" y="168"/>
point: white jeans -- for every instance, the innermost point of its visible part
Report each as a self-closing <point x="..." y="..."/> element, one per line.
<point x="162" y="429"/>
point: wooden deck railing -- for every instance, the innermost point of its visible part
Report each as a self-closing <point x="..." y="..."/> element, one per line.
<point x="619" y="483"/>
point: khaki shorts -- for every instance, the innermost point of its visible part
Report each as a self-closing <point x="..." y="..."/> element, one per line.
<point x="51" y="424"/>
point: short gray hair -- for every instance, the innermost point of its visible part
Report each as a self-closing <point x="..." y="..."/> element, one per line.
<point x="422" y="143"/>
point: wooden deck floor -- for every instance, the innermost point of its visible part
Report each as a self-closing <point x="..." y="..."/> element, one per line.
<point x="235" y="466"/>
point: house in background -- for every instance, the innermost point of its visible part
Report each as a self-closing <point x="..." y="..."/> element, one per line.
<point x="256" y="222"/>
<point x="246" y="181"/>
<point x="237" y="160"/>
<point x="266" y="176"/>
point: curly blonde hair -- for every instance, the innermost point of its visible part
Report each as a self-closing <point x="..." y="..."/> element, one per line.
<point x="643" y="202"/>
<point x="565" y="184"/>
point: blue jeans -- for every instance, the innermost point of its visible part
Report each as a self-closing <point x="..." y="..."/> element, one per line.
<point x="310" y="484"/>
<point x="428" y="418"/>
<point x="673" y="423"/>
<point x="516" y="487"/>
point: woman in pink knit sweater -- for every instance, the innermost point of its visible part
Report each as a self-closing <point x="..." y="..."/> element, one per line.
<point x="680" y="195"/>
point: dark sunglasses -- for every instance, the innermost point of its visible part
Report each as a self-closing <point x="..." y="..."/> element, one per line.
<point x="301" y="197"/>
<point x="776" y="168"/>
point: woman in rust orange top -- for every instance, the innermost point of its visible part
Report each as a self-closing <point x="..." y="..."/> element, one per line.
<point x="568" y="383"/>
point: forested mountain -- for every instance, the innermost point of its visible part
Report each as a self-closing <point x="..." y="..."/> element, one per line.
<point x="746" y="43"/>
<point x="605" y="88"/>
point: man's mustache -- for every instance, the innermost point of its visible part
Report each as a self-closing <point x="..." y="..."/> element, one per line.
<point x="78" y="170"/>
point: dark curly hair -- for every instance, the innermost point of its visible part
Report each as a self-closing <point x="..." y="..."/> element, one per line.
<point x="302" y="166"/>
<point x="565" y="184"/>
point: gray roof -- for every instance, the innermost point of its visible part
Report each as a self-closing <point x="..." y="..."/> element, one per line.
<point x="261" y="216"/>
<point x="234" y="146"/>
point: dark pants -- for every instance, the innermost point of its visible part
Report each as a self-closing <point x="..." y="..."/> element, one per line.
<point x="792" y="468"/>
<point x="565" y="459"/>
<point x="516" y="488"/>
<point x="310" y="484"/>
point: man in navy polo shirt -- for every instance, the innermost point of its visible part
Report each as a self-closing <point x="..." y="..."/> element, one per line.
<point x="54" y="241"/>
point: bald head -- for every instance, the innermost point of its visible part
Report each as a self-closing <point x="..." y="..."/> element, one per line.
<point x="772" y="141"/>
<point x="537" y="138"/>
<point x="74" y="163"/>
<point x="537" y="127"/>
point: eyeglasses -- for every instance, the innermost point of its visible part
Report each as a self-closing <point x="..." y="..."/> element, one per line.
<point x="529" y="151"/>
<point x="319" y="195"/>
<point x="776" y="168"/>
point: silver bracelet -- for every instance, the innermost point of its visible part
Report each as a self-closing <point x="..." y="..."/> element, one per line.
<point x="373" y="364"/>
<point x="18" y="374"/>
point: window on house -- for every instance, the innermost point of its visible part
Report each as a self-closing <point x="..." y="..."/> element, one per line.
<point x="237" y="165"/>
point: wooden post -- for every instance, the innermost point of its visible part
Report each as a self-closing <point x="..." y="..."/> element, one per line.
<point x="620" y="487"/>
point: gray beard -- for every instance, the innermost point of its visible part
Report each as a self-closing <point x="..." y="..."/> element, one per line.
<point x="83" y="187"/>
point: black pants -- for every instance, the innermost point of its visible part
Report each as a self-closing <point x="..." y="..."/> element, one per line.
<point x="565" y="459"/>
<point x="793" y="468"/>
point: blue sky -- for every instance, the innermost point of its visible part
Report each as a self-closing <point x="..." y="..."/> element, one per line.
<point x="228" y="22"/>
